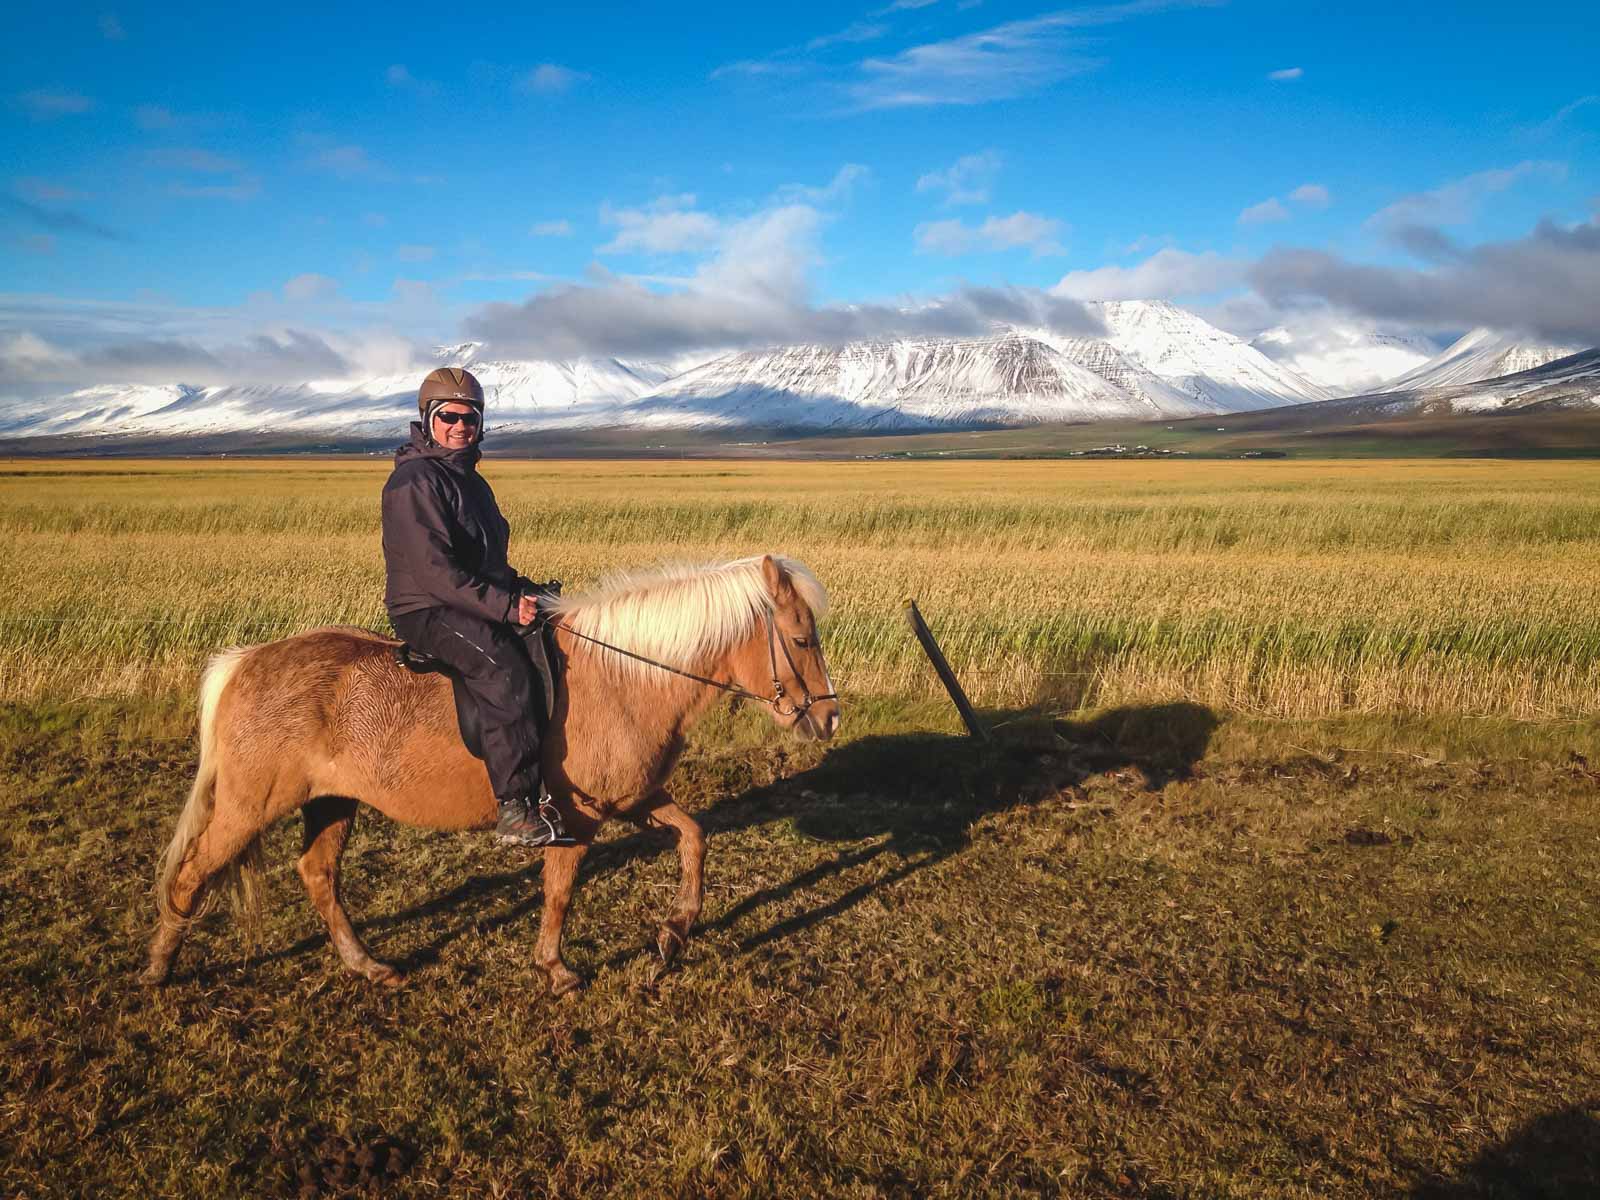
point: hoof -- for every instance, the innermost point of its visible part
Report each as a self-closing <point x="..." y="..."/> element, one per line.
<point x="385" y="974"/>
<point x="564" y="982"/>
<point x="153" y="976"/>
<point x="669" y="943"/>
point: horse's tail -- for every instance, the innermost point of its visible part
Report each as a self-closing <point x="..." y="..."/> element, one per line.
<point x="242" y="877"/>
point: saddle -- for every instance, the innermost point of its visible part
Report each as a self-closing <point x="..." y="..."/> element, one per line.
<point x="538" y="641"/>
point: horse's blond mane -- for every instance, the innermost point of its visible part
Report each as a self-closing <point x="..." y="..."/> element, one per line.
<point x="684" y="616"/>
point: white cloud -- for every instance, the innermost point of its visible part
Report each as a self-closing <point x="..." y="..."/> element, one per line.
<point x="194" y="161"/>
<point x="414" y="293"/>
<point x="30" y="355"/>
<point x="42" y="104"/>
<point x="348" y="161"/>
<point x="1020" y="230"/>
<point x="668" y="225"/>
<point x="1307" y="195"/>
<point x="414" y="253"/>
<point x="843" y="183"/>
<point x="509" y="277"/>
<point x="755" y="68"/>
<point x="1546" y="284"/>
<point x="48" y="344"/>
<point x="996" y="64"/>
<point x="966" y="181"/>
<point x="548" y="78"/>
<point x="1311" y="195"/>
<point x="858" y="31"/>
<point x="1457" y="202"/>
<point x="309" y="288"/>
<point x="1554" y="122"/>
<point x="1270" y="209"/>
<point x="1286" y="75"/>
<point x="753" y="289"/>
<point x="1000" y="63"/>
<point x="562" y="228"/>
<point x="1148" y="243"/>
<point x="1165" y="274"/>
<point x="399" y="76"/>
<point x="1348" y="354"/>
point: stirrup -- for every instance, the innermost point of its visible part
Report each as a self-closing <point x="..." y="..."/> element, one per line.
<point x="551" y="816"/>
<point x="533" y="824"/>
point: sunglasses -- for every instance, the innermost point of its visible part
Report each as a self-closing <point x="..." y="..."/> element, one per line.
<point x="450" y="418"/>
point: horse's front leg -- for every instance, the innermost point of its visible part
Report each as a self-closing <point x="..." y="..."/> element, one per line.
<point x="660" y="811"/>
<point x="561" y="865"/>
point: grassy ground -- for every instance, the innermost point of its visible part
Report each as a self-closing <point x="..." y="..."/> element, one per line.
<point x="1150" y="952"/>
<point x="1269" y="886"/>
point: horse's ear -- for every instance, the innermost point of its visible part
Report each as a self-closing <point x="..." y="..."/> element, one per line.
<point x="772" y="574"/>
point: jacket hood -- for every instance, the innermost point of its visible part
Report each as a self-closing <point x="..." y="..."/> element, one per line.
<point x="421" y="446"/>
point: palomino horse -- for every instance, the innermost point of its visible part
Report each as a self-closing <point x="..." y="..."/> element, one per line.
<point x="325" y="720"/>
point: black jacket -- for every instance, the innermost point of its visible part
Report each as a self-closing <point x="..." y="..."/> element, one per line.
<point x="444" y="540"/>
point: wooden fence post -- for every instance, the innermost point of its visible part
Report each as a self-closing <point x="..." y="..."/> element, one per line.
<point x="947" y="677"/>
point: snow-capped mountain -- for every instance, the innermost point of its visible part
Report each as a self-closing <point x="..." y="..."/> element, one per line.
<point x="574" y="393"/>
<point x="1106" y="361"/>
<point x="1479" y="355"/>
<point x="1216" y="368"/>
<point x="1346" y="358"/>
<point x="1157" y="361"/>
<point x="1010" y="378"/>
<point x="1571" y="383"/>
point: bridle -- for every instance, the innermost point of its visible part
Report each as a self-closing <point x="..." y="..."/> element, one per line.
<point x="774" y="644"/>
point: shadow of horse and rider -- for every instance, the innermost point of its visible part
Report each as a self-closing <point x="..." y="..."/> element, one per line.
<point x="912" y="796"/>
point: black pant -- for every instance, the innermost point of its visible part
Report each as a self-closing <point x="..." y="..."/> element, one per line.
<point x="494" y="664"/>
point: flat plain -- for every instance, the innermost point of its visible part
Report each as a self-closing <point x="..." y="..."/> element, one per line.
<point x="1277" y="880"/>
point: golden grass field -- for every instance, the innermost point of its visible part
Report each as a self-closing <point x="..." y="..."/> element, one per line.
<point x="1285" y="588"/>
<point x="1276" y="879"/>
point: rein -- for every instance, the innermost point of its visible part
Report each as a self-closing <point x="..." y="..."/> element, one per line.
<point x="775" y="701"/>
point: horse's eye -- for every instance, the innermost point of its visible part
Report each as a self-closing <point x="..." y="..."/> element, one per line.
<point x="803" y="642"/>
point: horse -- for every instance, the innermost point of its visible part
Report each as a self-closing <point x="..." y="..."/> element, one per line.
<point x="327" y="720"/>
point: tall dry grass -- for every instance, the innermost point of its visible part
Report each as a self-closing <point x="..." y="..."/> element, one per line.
<point x="1293" y="589"/>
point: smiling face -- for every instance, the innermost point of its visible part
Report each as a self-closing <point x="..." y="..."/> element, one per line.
<point x="459" y="431"/>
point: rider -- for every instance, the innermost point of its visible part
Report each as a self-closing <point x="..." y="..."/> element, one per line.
<point x="451" y="594"/>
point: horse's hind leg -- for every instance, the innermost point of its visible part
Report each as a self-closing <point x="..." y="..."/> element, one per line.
<point x="223" y="841"/>
<point x="663" y="813"/>
<point x="328" y="823"/>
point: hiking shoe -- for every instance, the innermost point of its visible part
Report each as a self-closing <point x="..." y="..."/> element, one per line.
<point x="524" y="823"/>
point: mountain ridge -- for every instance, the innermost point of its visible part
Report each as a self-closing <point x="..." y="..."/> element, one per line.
<point x="1154" y="361"/>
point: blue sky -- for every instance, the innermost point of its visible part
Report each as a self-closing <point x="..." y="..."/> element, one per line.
<point x="190" y="180"/>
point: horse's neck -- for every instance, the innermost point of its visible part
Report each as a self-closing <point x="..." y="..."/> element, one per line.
<point x="654" y="699"/>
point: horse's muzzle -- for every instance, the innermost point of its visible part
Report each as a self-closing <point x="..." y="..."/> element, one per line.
<point x="820" y="722"/>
